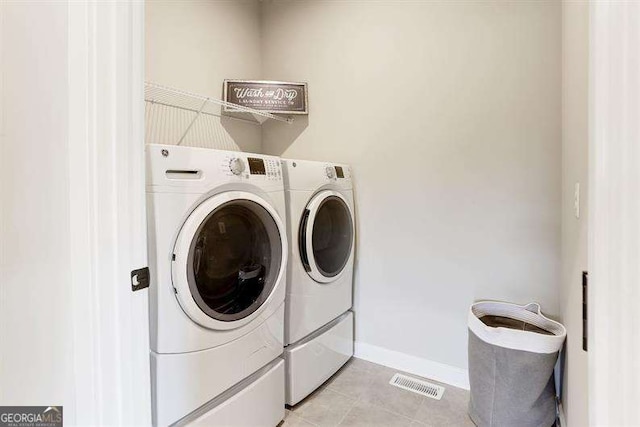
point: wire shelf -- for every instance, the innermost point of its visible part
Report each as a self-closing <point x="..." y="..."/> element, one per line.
<point x="160" y="99"/>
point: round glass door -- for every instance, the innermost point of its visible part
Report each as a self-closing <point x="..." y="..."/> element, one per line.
<point x="234" y="260"/>
<point x="330" y="229"/>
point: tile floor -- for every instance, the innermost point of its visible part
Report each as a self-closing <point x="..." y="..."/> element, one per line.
<point x="360" y="395"/>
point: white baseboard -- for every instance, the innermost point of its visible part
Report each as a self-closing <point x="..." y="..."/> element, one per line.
<point x="414" y="365"/>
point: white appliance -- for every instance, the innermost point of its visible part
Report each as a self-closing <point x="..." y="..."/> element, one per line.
<point x="218" y="254"/>
<point x="319" y="325"/>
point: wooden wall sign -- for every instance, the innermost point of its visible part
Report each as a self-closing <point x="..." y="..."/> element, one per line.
<point x="268" y="96"/>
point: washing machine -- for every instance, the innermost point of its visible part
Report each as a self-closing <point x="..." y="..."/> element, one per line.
<point x="217" y="257"/>
<point x="318" y="320"/>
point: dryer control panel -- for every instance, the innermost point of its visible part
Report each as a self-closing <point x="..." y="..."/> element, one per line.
<point x="308" y="175"/>
<point x="336" y="172"/>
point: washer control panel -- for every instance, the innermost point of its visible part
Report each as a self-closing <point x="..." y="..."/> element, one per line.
<point x="251" y="167"/>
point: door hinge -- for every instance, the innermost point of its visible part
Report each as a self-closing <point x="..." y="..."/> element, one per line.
<point x="140" y="279"/>
<point x="585" y="286"/>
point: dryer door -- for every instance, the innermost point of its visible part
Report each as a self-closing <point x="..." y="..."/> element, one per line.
<point x="326" y="236"/>
<point x="228" y="259"/>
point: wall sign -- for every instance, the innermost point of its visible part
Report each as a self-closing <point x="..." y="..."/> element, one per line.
<point x="268" y="96"/>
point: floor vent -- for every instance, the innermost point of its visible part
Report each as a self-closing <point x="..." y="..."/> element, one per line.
<point x="417" y="386"/>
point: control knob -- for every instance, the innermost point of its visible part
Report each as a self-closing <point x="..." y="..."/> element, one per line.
<point x="331" y="172"/>
<point x="236" y="166"/>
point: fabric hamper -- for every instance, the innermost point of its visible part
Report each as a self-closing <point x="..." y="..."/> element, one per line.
<point x="512" y="353"/>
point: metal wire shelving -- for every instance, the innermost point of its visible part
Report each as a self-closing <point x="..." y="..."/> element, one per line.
<point x="191" y="108"/>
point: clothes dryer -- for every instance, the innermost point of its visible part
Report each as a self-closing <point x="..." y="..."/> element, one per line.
<point x="321" y="226"/>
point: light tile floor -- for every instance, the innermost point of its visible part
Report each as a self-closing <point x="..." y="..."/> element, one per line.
<point x="360" y="395"/>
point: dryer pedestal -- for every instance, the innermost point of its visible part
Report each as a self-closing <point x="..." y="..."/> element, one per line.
<point x="314" y="359"/>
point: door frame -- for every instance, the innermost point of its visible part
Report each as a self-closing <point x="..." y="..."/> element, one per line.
<point x="107" y="212"/>
<point x="614" y="213"/>
<point x="106" y="144"/>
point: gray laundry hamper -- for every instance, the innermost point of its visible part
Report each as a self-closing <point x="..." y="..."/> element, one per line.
<point x="512" y="353"/>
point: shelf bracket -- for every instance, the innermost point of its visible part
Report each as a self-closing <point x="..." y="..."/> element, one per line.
<point x="193" y="121"/>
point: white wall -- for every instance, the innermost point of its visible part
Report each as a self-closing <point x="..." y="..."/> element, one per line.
<point x="450" y="113"/>
<point x="194" y="45"/>
<point x="35" y="320"/>
<point x="575" y="147"/>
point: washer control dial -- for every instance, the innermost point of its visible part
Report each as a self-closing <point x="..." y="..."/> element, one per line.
<point x="330" y="171"/>
<point x="236" y="166"/>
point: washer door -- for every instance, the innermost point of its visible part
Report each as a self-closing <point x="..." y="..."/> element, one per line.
<point x="326" y="236"/>
<point x="229" y="257"/>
